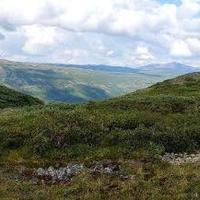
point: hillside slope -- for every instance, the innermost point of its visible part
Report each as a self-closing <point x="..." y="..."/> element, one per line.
<point x="11" y="98"/>
<point x="173" y="92"/>
<point x="148" y="111"/>
<point x="72" y="84"/>
<point x="185" y="85"/>
<point x="120" y="142"/>
<point x="82" y="83"/>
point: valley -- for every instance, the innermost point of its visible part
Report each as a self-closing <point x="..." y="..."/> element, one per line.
<point x="143" y="145"/>
<point x="82" y="83"/>
<point x="99" y="100"/>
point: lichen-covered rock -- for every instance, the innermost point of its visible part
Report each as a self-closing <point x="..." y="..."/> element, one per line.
<point x="181" y="158"/>
<point x="40" y="172"/>
<point x="60" y="174"/>
<point x="65" y="174"/>
<point x="109" y="167"/>
<point x="74" y="169"/>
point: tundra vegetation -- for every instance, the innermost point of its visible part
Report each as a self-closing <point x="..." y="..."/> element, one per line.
<point x="134" y="131"/>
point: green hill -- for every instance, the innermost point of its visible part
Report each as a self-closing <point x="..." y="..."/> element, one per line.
<point x="185" y="85"/>
<point x="134" y="130"/>
<point x="11" y="98"/>
<point x="165" y="114"/>
<point x="78" y="83"/>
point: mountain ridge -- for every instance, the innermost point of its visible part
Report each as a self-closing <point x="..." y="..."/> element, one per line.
<point x="81" y="83"/>
<point x="115" y="68"/>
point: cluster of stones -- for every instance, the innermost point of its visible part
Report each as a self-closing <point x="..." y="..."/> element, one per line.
<point x="65" y="174"/>
<point x="60" y="174"/>
<point x="106" y="166"/>
<point x="181" y="158"/>
<point x="111" y="168"/>
<point x="51" y="174"/>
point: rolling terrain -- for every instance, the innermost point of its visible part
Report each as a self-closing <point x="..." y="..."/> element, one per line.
<point x="121" y="145"/>
<point x="11" y="98"/>
<point x="82" y="83"/>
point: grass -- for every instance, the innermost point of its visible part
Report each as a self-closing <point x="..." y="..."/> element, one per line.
<point x="133" y="130"/>
<point x="10" y="98"/>
<point x="151" y="181"/>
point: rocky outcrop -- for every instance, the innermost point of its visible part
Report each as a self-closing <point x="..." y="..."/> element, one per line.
<point x="181" y="158"/>
<point x="65" y="174"/>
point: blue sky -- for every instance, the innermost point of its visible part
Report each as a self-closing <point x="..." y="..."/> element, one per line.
<point x="177" y="2"/>
<point x="114" y="32"/>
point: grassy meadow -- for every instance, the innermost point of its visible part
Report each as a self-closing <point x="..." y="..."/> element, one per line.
<point x="134" y="130"/>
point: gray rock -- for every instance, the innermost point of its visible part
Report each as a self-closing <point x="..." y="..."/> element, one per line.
<point x="40" y="172"/>
<point x="108" y="170"/>
<point x="65" y="174"/>
<point x="62" y="174"/>
<point x="181" y="158"/>
<point x="51" y="171"/>
<point x="74" y="169"/>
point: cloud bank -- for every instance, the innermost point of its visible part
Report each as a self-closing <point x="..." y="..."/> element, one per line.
<point x="119" y="32"/>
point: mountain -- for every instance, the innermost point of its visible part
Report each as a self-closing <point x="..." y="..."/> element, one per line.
<point x="72" y="84"/>
<point x="11" y="98"/>
<point x="82" y="83"/>
<point x="111" y="149"/>
<point x="169" y="68"/>
<point x="104" y="68"/>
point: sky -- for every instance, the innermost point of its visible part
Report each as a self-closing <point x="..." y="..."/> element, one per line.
<point x="112" y="32"/>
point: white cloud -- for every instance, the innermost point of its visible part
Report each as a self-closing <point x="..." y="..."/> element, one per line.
<point x="110" y="53"/>
<point x="108" y="16"/>
<point x="189" y="8"/>
<point x="73" y="55"/>
<point x="166" y="31"/>
<point x="21" y="12"/>
<point x="180" y="48"/>
<point x="194" y="45"/>
<point x="39" y="38"/>
<point x="143" y="53"/>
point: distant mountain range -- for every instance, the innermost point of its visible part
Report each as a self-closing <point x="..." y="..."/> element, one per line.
<point x="169" y="68"/>
<point x="82" y="83"/>
<point x="104" y="68"/>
